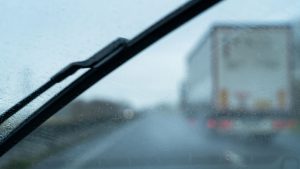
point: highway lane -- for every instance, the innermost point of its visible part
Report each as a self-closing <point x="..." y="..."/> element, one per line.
<point x="168" y="140"/>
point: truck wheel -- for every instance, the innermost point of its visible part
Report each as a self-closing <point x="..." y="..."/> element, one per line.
<point x="212" y="134"/>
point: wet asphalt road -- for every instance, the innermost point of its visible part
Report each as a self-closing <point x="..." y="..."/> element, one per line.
<point x="167" y="140"/>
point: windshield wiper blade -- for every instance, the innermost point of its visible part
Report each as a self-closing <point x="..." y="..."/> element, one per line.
<point x="97" y="71"/>
<point x="63" y="74"/>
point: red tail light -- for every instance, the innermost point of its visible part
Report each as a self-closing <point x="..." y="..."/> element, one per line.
<point x="225" y="124"/>
<point x="279" y="124"/>
<point x="211" y="123"/>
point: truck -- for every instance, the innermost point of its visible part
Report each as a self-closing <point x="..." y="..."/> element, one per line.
<point x="240" y="80"/>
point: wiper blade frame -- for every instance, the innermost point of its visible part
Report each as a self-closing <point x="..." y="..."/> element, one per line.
<point x="63" y="74"/>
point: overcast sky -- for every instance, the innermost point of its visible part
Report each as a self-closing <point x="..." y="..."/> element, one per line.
<point x="37" y="38"/>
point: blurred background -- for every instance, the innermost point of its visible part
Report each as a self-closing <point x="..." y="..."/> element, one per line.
<point x="221" y="91"/>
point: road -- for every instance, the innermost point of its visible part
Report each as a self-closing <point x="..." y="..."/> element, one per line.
<point x="167" y="140"/>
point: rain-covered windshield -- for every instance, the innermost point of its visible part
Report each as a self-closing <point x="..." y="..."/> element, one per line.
<point x="220" y="92"/>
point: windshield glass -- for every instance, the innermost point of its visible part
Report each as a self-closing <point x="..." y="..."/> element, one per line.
<point x="220" y="92"/>
<point x="46" y="36"/>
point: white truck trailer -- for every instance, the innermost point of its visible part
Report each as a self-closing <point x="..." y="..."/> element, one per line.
<point x="240" y="77"/>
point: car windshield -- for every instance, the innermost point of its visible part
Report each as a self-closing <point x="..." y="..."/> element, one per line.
<point x="222" y="91"/>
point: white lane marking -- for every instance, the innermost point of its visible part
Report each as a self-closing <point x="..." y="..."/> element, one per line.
<point x="235" y="158"/>
<point x="100" y="147"/>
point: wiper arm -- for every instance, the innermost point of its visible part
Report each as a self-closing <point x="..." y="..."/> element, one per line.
<point x="64" y="73"/>
<point x="99" y="69"/>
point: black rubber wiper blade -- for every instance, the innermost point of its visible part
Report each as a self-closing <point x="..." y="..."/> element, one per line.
<point x="104" y="66"/>
<point x="63" y="74"/>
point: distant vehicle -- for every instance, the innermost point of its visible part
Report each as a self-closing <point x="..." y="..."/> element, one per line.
<point x="245" y="71"/>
